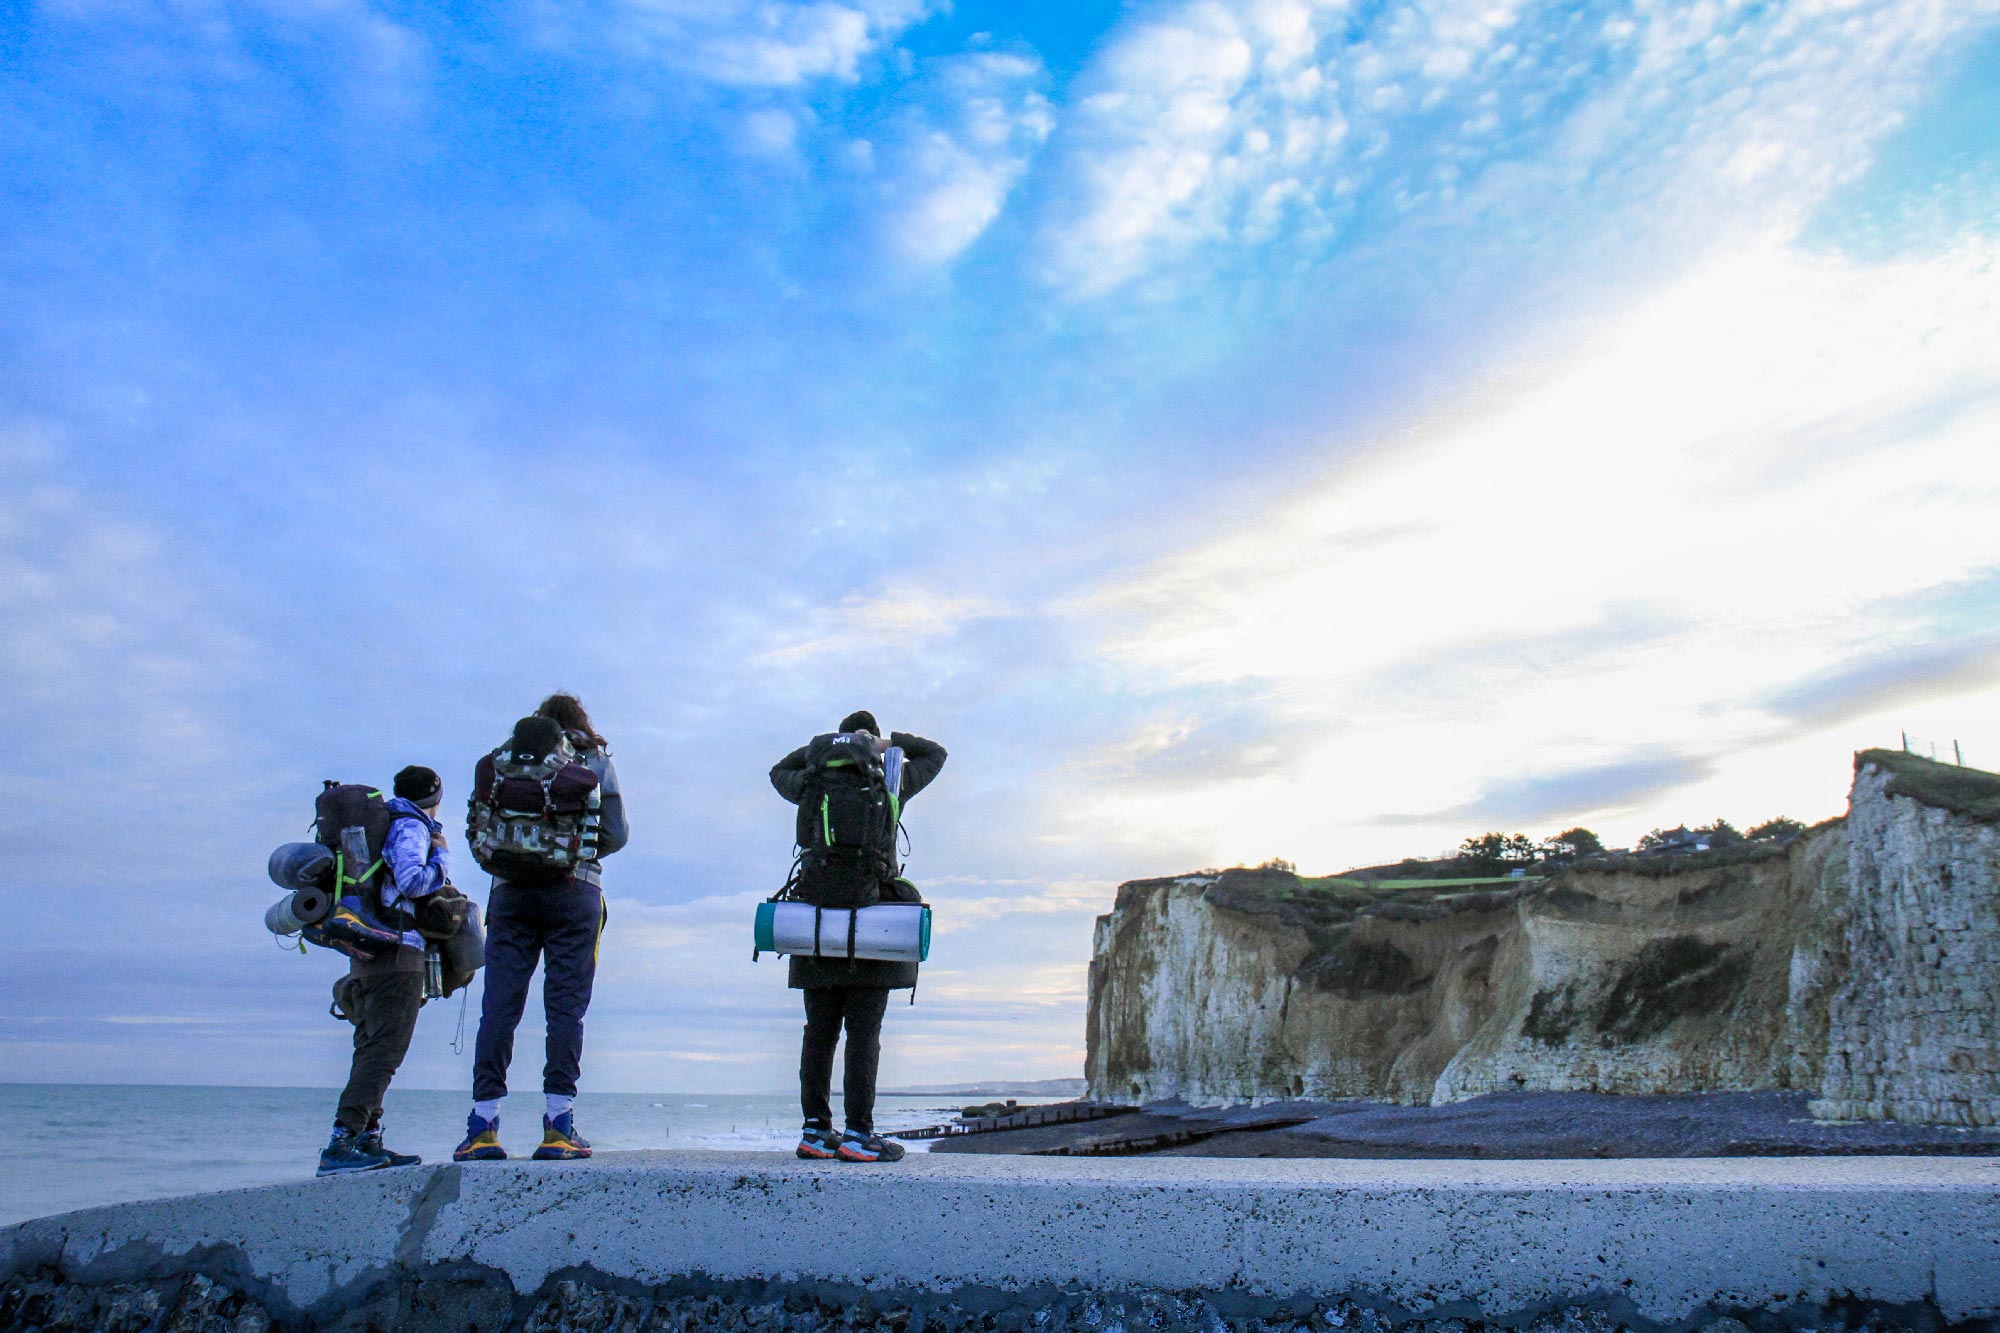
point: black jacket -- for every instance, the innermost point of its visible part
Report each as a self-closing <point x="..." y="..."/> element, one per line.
<point x="921" y="761"/>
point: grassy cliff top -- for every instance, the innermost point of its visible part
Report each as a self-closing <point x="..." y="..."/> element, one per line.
<point x="1971" y="792"/>
<point x="1331" y="900"/>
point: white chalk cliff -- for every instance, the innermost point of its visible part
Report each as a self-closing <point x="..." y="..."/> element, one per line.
<point x="1860" y="962"/>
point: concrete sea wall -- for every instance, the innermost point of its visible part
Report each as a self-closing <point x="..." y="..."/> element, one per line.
<point x="952" y="1245"/>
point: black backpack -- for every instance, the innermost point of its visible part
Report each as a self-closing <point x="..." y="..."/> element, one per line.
<point x="847" y="824"/>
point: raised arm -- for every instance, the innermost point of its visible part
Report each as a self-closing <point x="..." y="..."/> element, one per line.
<point x="921" y="761"/>
<point x="788" y="775"/>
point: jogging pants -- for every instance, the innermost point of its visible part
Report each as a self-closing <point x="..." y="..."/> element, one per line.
<point x="557" y="927"/>
<point x="860" y="1010"/>
<point x="384" y="1009"/>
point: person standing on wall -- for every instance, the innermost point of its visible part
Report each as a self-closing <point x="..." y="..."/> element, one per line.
<point x="850" y="808"/>
<point x="545" y="810"/>
<point x="384" y="992"/>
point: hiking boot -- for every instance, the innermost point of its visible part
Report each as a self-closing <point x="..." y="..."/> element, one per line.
<point x="371" y="1140"/>
<point x="560" y="1141"/>
<point x="482" y="1141"/>
<point x="818" y="1144"/>
<point x="858" y="1147"/>
<point x="344" y="1152"/>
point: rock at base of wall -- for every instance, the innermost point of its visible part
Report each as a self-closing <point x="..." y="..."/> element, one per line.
<point x="198" y="1304"/>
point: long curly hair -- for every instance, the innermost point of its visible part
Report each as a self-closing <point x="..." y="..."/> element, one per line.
<point x="566" y="711"/>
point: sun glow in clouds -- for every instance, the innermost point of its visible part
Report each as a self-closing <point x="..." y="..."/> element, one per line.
<point x="1601" y="564"/>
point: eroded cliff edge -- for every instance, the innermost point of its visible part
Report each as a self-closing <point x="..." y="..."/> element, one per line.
<point x="1860" y="962"/>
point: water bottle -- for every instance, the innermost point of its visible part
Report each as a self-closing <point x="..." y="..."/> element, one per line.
<point x="354" y="850"/>
<point x="433" y="973"/>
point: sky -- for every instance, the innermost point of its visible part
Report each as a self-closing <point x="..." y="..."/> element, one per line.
<point x="1233" y="428"/>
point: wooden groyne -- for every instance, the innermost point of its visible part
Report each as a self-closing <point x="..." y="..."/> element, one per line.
<point x="1027" y="1117"/>
<point x="1145" y="1143"/>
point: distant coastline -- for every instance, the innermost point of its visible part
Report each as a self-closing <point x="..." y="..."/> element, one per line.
<point x="1047" y="1087"/>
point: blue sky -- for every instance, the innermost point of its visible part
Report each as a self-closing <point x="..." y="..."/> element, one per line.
<point x="1238" y="428"/>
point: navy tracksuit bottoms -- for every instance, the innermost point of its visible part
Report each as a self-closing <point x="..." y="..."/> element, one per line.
<point x="558" y="927"/>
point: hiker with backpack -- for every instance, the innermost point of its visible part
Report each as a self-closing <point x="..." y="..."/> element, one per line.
<point x="545" y="810"/>
<point x="396" y="861"/>
<point x="850" y="787"/>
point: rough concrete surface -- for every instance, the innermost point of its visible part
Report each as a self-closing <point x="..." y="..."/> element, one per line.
<point x="1664" y="1242"/>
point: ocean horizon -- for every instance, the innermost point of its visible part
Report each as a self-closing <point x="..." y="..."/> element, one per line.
<point x="84" y="1145"/>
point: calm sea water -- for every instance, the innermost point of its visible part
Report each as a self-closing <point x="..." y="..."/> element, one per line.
<point x="80" y="1146"/>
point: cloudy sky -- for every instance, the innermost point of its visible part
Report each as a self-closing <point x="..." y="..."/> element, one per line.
<point x="1235" y="428"/>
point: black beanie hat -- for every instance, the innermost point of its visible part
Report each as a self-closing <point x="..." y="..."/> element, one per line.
<point x="860" y="720"/>
<point x="535" y="737"/>
<point x="419" y="786"/>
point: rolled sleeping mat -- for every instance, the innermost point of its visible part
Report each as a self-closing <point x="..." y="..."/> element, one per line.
<point x="297" y="910"/>
<point x="889" y="932"/>
<point x="301" y="865"/>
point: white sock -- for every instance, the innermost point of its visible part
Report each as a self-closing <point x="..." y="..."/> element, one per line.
<point x="557" y="1103"/>
<point x="488" y="1111"/>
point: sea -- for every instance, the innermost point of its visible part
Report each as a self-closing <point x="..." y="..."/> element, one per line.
<point x="79" y="1146"/>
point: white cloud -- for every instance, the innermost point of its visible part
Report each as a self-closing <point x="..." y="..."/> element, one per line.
<point x="1626" y="558"/>
<point x="771" y="132"/>
<point x="1223" y="122"/>
<point x="949" y="165"/>
<point x="380" y="65"/>
<point x="905" y="614"/>
<point x="743" y="43"/>
<point x="115" y="664"/>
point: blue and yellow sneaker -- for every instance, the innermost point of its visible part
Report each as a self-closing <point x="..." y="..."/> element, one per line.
<point x="371" y="1140"/>
<point x="858" y="1147"/>
<point x="482" y="1141"/>
<point x="344" y="1152"/>
<point x="818" y="1144"/>
<point x="560" y="1141"/>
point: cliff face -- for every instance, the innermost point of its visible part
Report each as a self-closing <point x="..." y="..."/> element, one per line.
<point x="1913" y="1026"/>
<point x="1861" y="962"/>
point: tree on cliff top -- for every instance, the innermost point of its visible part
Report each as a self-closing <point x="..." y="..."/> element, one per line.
<point x="1496" y="852"/>
<point x="1571" y="845"/>
<point x="1780" y="827"/>
<point x="1721" y="833"/>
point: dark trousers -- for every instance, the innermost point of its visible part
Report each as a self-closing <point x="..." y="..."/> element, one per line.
<point x="860" y="1009"/>
<point x="384" y="1009"/>
<point x="559" y="928"/>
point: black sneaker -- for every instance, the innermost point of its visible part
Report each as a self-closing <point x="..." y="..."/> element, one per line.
<point x="818" y="1144"/>
<point x="344" y="1153"/>
<point x="858" y="1147"/>
<point x="371" y="1141"/>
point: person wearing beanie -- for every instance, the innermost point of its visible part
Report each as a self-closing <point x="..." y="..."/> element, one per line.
<point x="844" y="993"/>
<point x="383" y="994"/>
<point x="556" y="925"/>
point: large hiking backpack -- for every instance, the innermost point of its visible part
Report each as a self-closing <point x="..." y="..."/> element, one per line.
<point x="847" y="822"/>
<point x="354" y="821"/>
<point x="533" y="816"/>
